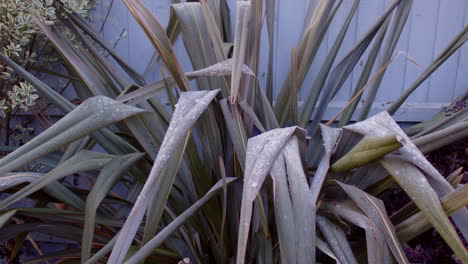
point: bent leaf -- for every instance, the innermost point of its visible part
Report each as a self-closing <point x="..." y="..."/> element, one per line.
<point x="329" y="137"/>
<point x="83" y="161"/>
<point x="415" y="184"/>
<point x="164" y="234"/>
<point x="106" y="138"/>
<point x="382" y="125"/>
<point x="189" y="108"/>
<point x="109" y="175"/>
<point x="262" y="153"/>
<point x="374" y="238"/>
<point x="369" y="149"/>
<point x="93" y="114"/>
<point x="223" y="68"/>
<point x="54" y="189"/>
<point x="418" y="223"/>
<point x="337" y="240"/>
<point x="375" y="210"/>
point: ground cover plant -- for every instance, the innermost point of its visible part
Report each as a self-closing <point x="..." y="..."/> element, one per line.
<point x="21" y="40"/>
<point x="225" y="172"/>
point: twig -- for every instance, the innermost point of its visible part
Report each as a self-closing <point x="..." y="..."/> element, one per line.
<point x="106" y="17"/>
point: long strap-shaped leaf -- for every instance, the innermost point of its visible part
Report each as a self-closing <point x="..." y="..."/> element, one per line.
<point x="242" y="22"/>
<point x="314" y="33"/>
<point x="202" y="47"/>
<point x="204" y="50"/>
<point x="418" y="223"/>
<point x="399" y="21"/>
<point x="83" y="161"/>
<point x="264" y="154"/>
<point x="453" y="46"/>
<point x="106" y="138"/>
<point x="158" y="37"/>
<point x="303" y="204"/>
<point x="90" y="31"/>
<point x="294" y="206"/>
<point x="172" y="32"/>
<point x="96" y="59"/>
<point x="375" y="210"/>
<point x="270" y="19"/>
<point x="66" y="231"/>
<point x="330" y="137"/>
<point x="416" y="185"/>
<point x="383" y="125"/>
<point x="109" y="175"/>
<point x="163" y="185"/>
<point x="252" y="53"/>
<point x="374" y="238"/>
<point x="189" y="108"/>
<point x="365" y="74"/>
<point x="156" y="241"/>
<point x="236" y="129"/>
<point x="54" y="189"/>
<point x="223" y="68"/>
<point x="92" y="80"/>
<point x="283" y="213"/>
<point x="344" y="68"/>
<point x="319" y="82"/>
<point x="337" y="240"/>
<point x="147" y="129"/>
<point x="93" y="114"/>
<point x="443" y="137"/>
<point x="55" y="215"/>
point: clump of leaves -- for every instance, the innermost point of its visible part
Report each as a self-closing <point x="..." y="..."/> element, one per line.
<point x="224" y="172"/>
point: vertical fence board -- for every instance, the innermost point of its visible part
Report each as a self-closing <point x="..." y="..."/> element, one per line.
<point x="431" y="25"/>
<point x="291" y="16"/>
<point x="443" y="82"/>
<point x="421" y="46"/>
<point x="462" y="66"/>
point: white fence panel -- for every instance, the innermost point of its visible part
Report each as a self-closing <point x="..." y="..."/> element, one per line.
<point x="431" y="26"/>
